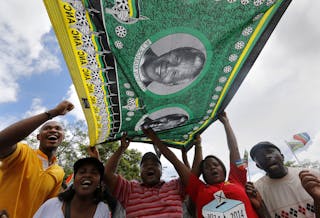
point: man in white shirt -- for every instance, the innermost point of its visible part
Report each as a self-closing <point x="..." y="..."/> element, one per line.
<point x="280" y="188"/>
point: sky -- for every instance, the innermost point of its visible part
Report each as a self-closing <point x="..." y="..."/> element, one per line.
<point x="278" y="98"/>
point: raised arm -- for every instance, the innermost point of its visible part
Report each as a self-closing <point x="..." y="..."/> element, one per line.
<point x="231" y="138"/>
<point x="110" y="176"/>
<point x="16" y="132"/>
<point x="183" y="171"/>
<point x="312" y="185"/>
<point x="185" y="157"/>
<point x="197" y="156"/>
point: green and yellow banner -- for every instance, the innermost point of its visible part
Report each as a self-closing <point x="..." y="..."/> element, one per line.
<point x="171" y="65"/>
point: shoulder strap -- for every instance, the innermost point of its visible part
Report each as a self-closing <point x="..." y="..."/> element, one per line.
<point x="67" y="213"/>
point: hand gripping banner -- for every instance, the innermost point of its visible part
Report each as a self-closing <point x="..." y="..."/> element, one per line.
<point x="172" y="65"/>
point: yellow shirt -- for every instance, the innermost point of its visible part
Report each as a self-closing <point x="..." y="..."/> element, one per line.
<point x="25" y="183"/>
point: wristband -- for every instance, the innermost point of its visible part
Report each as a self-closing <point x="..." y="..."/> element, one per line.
<point x="49" y="115"/>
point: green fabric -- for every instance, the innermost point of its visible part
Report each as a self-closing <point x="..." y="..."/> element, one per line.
<point x="150" y="61"/>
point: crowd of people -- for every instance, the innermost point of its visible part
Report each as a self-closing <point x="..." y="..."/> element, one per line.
<point x="31" y="180"/>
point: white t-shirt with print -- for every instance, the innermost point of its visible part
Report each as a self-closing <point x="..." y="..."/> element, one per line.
<point x="286" y="197"/>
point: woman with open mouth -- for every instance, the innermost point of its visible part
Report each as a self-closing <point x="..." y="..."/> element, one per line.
<point x="83" y="198"/>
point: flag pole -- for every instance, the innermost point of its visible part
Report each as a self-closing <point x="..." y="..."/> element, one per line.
<point x="248" y="172"/>
<point x="295" y="156"/>
<point x="246" y="162"/>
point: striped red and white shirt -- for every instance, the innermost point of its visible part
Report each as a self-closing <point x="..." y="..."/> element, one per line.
<point x="162" y="201"/>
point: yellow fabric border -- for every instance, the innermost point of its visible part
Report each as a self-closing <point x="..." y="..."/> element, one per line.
<point x="57" y="19"/>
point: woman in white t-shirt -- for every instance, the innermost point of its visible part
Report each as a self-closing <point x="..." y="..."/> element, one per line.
<point x="83" y="198"/>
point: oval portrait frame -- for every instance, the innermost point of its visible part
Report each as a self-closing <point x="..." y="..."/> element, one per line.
<point x="164" y="42"/>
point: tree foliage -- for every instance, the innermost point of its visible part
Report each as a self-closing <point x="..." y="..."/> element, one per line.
<point x="290" y="164"/>
<point x="75" y="146"/>
<point x="304" y="164"/>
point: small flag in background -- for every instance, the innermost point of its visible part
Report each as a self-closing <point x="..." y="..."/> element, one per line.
<point x="300" y="141"/>
<point x="69" y="180"/>
<point x="302" y="137"/>
<point x="243" y="163"/>
<point x="295" y="145"/>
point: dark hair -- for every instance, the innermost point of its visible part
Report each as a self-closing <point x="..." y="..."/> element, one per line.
<point x="148" y="156"/>
<point x="68" y="194"/>
<point x="214" y="157"/>
<point x="51" y="121"/>
<point x="261" y="145"/>
<point x="89" y="160"/>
